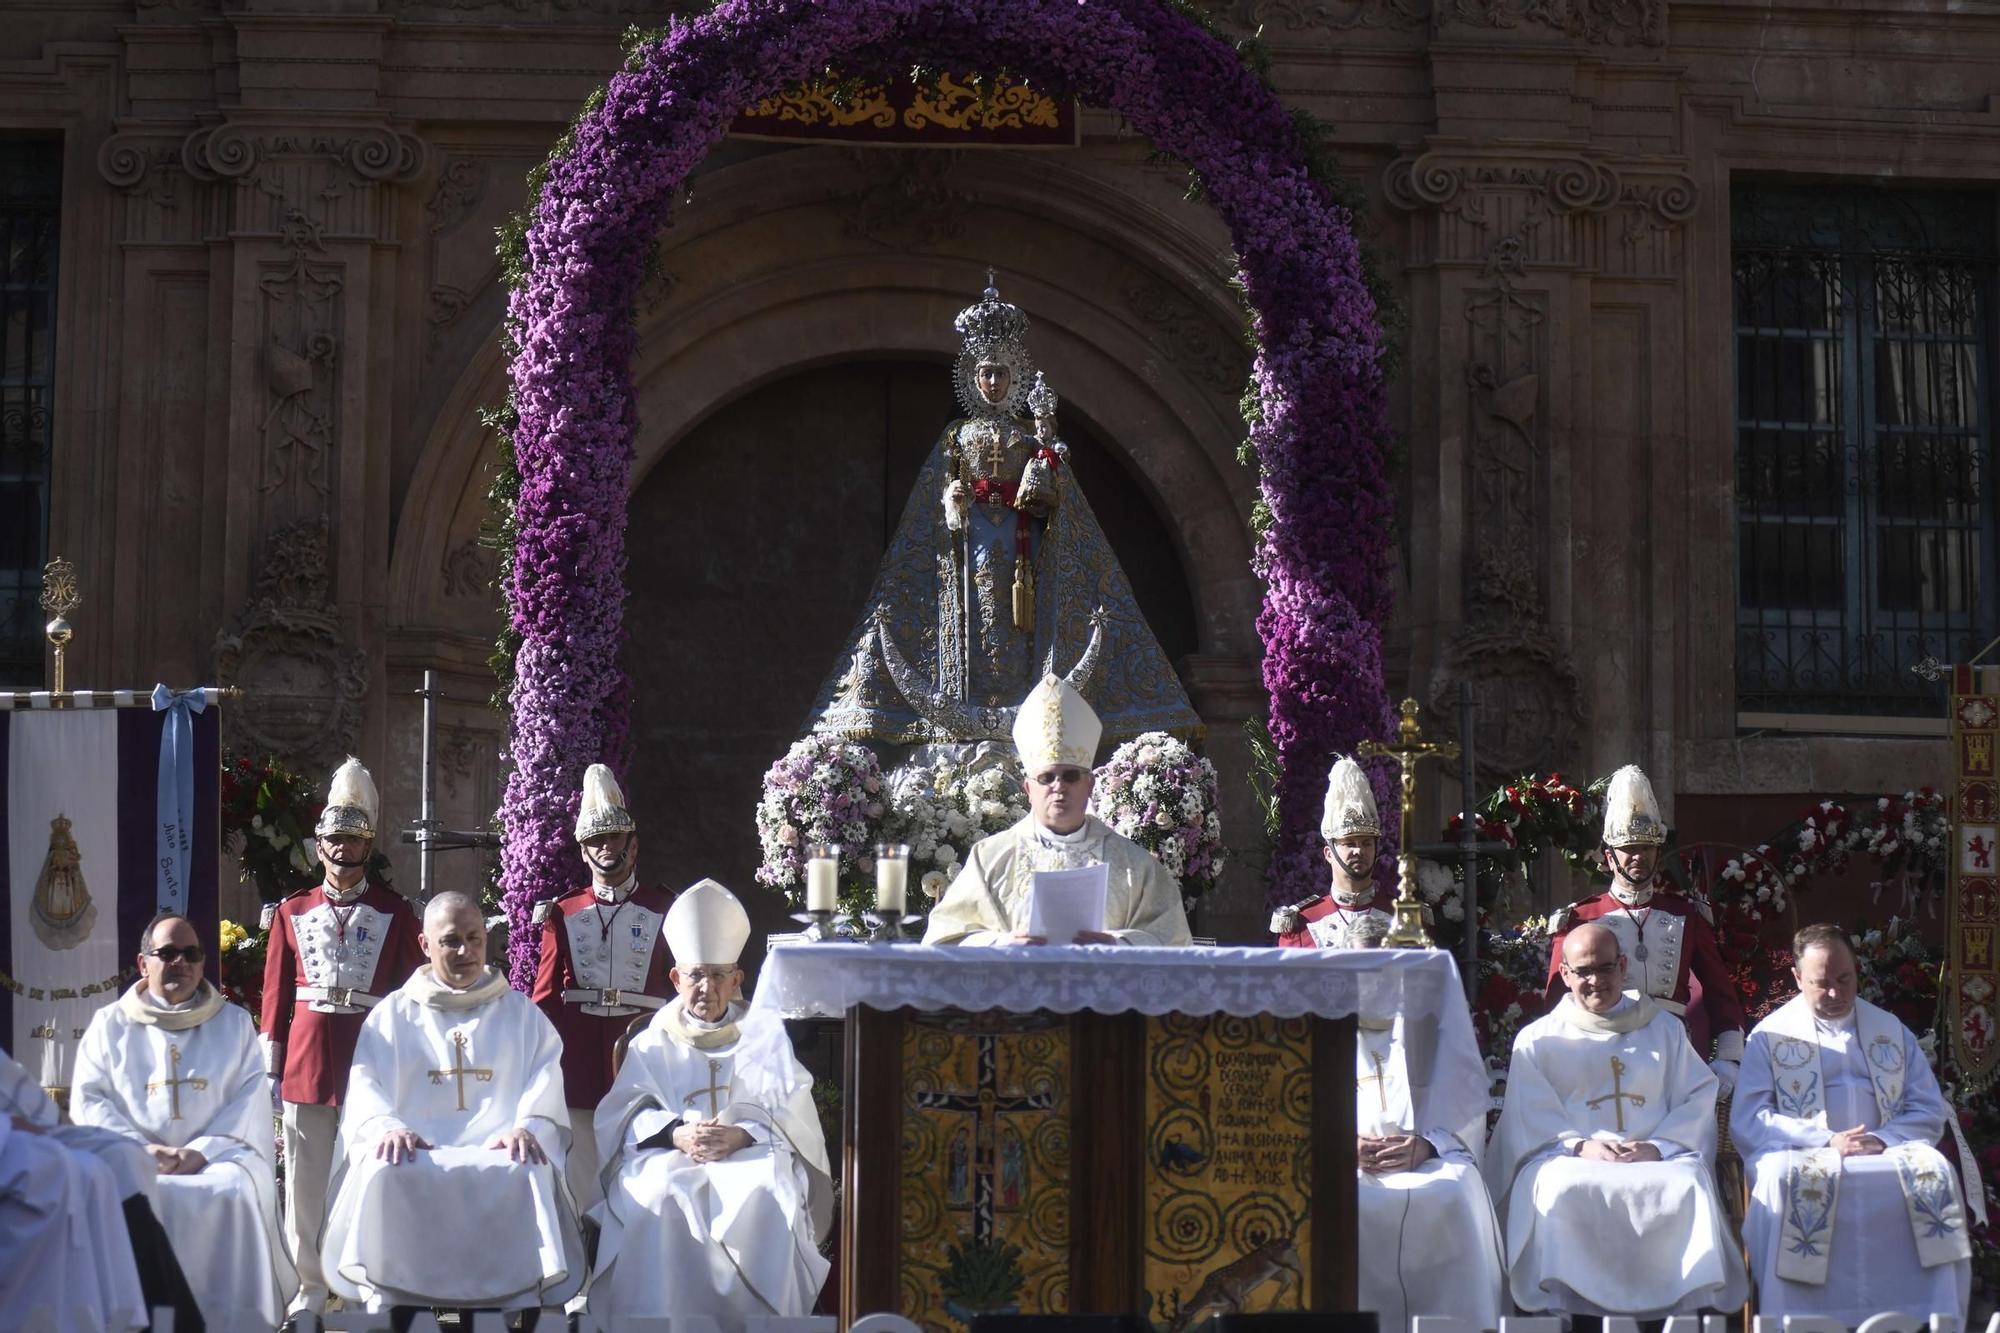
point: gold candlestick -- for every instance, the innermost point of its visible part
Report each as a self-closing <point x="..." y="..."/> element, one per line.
<point x="1408" y="750"/>
<point x="59" y="599"/>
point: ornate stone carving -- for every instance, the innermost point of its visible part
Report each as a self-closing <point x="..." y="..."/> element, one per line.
<point x="1438" y="179"/>
<point x="468" y="570"/>
<point x="1601" y="22"/>
<point x="302" y="685"/>
<point x="372" y="152"/>
<point x="907" y="201"/>
<point x="531" y="9"/>
<point x="1198" y="347"/>
<point x="302" y="320"/>
<point x="461" y="183"/>
<point x="458" y="750"/>
<point x="143" y="169"/>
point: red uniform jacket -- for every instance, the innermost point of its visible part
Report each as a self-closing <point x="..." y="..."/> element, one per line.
<point x="369" y="947"/>
<point x="1680" y="956"/>
<point x="592" y="946"/>
<point x="1302" y="938"/>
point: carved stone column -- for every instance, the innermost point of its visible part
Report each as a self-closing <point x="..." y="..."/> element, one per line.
<point x="1228" y="691"/>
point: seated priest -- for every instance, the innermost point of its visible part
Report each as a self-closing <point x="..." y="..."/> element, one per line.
<point x="1056" y="733"/>
<point x="1852" y="1211"/>
<point x="1668" y="936"/>
<point x="449" y="1178"/>
<point x="133" y="1178"/>
<point x="174" y="1067"/>
<point x="1354" y="908"/>
<point x="1600" y="1163"/>
<point x="716" y="1189"/>
<point x="68" y="1262"/>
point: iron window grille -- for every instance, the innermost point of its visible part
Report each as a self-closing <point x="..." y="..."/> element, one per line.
<point x="1864" y="507"/>
<point x="30" y="218"/>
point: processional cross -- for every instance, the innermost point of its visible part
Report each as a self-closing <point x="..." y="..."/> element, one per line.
<point x="1617" y="1096"/>
<point x="1408" y="751"/>
<point x="714" y="1089"/>
<point x="173" y="1085"/>
<point x="459" y="1069"/>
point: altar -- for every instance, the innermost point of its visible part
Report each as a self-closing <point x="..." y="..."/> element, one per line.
<point x="1162" y="1132"/>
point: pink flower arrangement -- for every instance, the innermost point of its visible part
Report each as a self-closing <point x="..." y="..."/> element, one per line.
<point x="824" y="790"/>
<point x="1317" y="426"/>
<point x="1161" y="794"/>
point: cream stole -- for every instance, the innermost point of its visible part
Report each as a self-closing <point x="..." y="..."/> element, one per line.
<point x="1381" y="1083"/>
<point x="1812" y="1179"/>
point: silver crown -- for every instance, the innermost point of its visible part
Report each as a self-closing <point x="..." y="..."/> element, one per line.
<point x="992" y="323"/>
<point x="1042" y="400"/>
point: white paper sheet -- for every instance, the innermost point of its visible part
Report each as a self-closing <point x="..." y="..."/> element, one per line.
<point x="1063" y="902"/>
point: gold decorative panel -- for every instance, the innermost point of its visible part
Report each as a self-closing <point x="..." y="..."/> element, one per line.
<point x="1228" y="1170"/>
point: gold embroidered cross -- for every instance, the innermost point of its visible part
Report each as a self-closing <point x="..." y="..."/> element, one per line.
<point x="1617" y="1096"/>
<point x="173" y="1085"/>
<point x="1377" y="1078"/>
<point x="714" y="1089"/>
<point x="459" y="1069"/>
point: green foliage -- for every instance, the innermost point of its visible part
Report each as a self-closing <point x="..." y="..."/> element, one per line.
<point x="1263" y="773"/>
<point x="982" y="1276"/>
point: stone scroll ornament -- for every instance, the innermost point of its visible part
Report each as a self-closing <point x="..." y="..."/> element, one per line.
<point x="1973" y="983"/>
<point x="1317" y="427"/>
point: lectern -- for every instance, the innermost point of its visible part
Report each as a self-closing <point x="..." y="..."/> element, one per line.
<point x="1103" y="1129"/>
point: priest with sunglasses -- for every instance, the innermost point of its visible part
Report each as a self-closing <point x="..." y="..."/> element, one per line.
<point x="1056" y="733"/>
<point x="176" y="1068"/>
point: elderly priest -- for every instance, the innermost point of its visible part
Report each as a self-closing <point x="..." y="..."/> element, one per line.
<point x="717" y="1189"/>
<point x="1600" y="1163"/>
<point x="1853" y="1211"/>
<point x="1056" y="734"/>
<point x="449" y="1188"/>
<point x="176" y="1068"/>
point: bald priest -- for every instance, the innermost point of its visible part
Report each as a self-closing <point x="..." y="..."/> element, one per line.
<point x="449" y="1188"/>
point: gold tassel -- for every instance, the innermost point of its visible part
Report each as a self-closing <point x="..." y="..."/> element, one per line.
<point x="1024" y="595"/>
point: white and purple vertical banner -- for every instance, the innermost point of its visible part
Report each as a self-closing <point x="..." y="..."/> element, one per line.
<point x="107" y="814"/>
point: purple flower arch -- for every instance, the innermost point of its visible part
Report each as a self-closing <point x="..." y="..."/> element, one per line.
<point x="1317" y="423"/>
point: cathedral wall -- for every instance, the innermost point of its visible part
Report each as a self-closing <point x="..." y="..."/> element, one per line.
<point x="278" y="309"/>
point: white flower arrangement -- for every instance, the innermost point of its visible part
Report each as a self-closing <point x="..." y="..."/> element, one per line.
<point x="940" y="809"/>
<point x="1162" y="795"/>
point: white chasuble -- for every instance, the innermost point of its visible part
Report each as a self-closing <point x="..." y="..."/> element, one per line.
<point x="732" y="1239"/>
<point x="1847" y="1237"/>
<point x="988" y="900"/>
<point x="1429" y="1243"/>
<point x="1635" y="1238"/>
<point x="193" y="1077"/>
<point x="461" y="1224"/>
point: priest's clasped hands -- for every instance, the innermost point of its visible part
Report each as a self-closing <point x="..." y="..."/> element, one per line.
<point x="403" y="1145"/>
<point x="1619" y="1150"/>
<point x="1857" y="1142"/>
<point x="176" y="1161"/>
<point x="709" y="1141"/>
<point x="1392" y="1152"/>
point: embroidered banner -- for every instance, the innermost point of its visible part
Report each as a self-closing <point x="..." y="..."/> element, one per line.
<point x="951" y="113"/>
<point x="1974" y="982"/>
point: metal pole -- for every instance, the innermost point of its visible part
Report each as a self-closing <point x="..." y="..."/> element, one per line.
<point x="426" y="818"/>
<point x="1468" y="837"/>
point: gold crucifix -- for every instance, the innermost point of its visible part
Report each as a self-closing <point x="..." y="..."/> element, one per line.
<point x="1617" y="1096"/>
<point x="1408" y="751"/>
<point x="459" y="1069"/>
<point x="714" y="1089"/>
<point x="173" y="1085"/>
<point x="1377" y="1078"/>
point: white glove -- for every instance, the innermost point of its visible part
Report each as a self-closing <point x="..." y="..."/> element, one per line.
<point x="957" y="505"/>
<point x="1725" y="1074"/>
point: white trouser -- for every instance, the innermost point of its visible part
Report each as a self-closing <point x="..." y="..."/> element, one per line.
<point x="581" y="1170"/>
<point x="310" y="1132"/>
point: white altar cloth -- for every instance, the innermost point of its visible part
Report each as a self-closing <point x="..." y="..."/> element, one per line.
<point x="824" y="980"/>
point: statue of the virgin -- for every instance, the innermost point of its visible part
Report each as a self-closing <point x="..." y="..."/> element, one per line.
<point x="997" y="575"/>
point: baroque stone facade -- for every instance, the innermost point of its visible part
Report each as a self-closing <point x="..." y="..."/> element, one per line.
<point x="279" y="311"/>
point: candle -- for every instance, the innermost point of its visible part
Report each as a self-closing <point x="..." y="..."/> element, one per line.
<point x="892" y="877"/>
<point x="823" y="879"/>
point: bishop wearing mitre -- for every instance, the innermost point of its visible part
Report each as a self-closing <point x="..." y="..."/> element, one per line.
<point x="176" y="1068"/>
<point x="603" y="963"/>
<point x="456" y="1094"/>
<point x="717" y="1189"/>
<point x="1601" y="1162"/>
<point x="1853" y="1210"/>
<point x="1056" y="733"/>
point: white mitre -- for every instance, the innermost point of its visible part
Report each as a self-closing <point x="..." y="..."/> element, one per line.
<point x="1055" y="726"/>
<point x="352" y="804"/>
<point x="1631" y="814"/>
<point x="603" y="809"/>
<point x="706" y="925"/>
<point x="1350" y="804"/>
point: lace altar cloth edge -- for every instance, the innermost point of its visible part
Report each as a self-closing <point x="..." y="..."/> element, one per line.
<point x="809" y="980"/>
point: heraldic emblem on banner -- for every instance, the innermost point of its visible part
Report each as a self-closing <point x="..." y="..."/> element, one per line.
<point x="1974" y="983"/>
